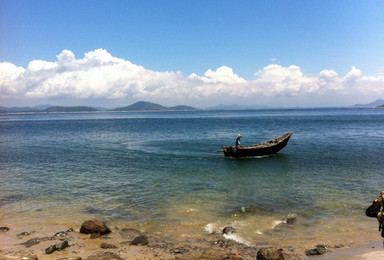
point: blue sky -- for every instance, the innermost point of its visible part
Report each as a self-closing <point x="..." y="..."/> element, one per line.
<point x="202" y="53"/>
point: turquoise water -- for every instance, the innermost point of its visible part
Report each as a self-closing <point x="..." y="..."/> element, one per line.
<point x="161" y="170"/>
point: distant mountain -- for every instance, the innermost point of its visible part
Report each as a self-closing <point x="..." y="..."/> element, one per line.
<point x="236" y="107"/>
<point x="182" y="107"/>
<point x="138" y="106"/>
<point x="141" y="106"/>
<point x="148" y="106"/>
<point x="376" y="103"/>
<point x="23" y="109"/>
<point x="70" y="109"/>
<point x="17" y="109"/>
<point x="42" y="107"/>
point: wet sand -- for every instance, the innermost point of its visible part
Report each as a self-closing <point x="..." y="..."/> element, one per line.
<point x="160" y="246"/>
<point x="370" y="251"/>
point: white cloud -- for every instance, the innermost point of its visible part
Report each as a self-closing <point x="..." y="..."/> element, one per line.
<point x="99" y="75"/>
<point x="9" y="77"/>
<point x="222" y="75"/>
<point x="275" y="80"/>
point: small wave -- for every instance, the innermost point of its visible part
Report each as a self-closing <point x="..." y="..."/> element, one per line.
<point x="210" y="228"/>
<point x="237" y="238"/>
<point x="278" y="222"/>
<point x="214" y="228"/>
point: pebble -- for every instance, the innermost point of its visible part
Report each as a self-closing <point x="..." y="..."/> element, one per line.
<point x="107" y="246"/>
<point x="4" y="229"/>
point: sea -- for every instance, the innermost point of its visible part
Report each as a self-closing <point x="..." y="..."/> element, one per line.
<point x="164" y="172"/>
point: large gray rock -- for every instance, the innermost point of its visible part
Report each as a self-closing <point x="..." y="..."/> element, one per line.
<point x="318" y="250"/>
<point x="270" y="253"/>
<point x="94" y="227"/>
<point x="140" y="240"/>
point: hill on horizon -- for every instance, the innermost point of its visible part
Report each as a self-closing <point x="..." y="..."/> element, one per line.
<point x="69" y="109"/>
<point x="376" y="103"/>
<point x="148" y="106"/>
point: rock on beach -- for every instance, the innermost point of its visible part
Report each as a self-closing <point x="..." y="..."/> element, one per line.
<point x="94" y="227"/>
<point x="140" y="240"/>
<point x="270" y="253"/>
<point x="318" y="250"/>
<point x="4" y="229"/>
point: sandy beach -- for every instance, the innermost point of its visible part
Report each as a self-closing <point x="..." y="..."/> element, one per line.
<point x="118" y="245"/>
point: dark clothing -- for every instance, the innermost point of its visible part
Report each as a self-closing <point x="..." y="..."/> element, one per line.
<point x="238" y="143"/>
<point x="376" y="210"/>
<point x="373" y="210"/>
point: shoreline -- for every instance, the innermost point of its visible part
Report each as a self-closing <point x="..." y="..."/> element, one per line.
<point x="119" y="245"/>
<point x="368" y="251"/>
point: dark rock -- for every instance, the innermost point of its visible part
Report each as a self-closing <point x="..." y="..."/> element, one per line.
<point x="270" y="253"/>
<point x="4" y="229"/>
<point x="31" y="242"/>
<point x="318" y="250"/>
<point x="35" y="241"/>
<point x="339" y="246"/>
<point x="105" y="256"/>
<point x="63" y="245"/>
<point x="59" y="247"/>
<point x="24" y="234"/>
<point x="61" y="234"/>
<point x="224" y="243"/>
<point x="70" y="230"/>
<point x="94" y="227"/>
<point x="51" y="249"/>
<point x="229" y="230"/>
<point x="290" y="220"/>
<point x="107" y="246"/>
<point x="140" y="240"/>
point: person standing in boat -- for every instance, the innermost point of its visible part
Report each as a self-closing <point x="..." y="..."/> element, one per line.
<point x="238" y="143"/>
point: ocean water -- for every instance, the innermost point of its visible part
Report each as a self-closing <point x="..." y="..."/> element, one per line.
<point x="161" y="172"/>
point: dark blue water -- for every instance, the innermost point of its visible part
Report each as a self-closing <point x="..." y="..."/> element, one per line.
<point x="162" y="168"/>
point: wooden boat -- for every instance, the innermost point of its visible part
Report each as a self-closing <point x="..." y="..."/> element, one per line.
<point x="266" y="148"/>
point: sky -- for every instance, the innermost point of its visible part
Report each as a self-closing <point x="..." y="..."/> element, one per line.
<point x="276" y="53"/>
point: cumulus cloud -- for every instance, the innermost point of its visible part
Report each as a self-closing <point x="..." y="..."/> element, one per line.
<point x="99" y="75"/>
<point x="9" y="77"/>
<point x="276" y="80"/>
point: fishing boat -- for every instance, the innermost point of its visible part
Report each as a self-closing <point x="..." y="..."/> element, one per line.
<point x="266" y="148"/>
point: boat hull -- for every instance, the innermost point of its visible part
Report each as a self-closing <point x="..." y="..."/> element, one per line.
<point x="267" y="148"/>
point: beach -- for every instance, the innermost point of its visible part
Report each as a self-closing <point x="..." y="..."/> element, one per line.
<point x="118" y="244"/>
